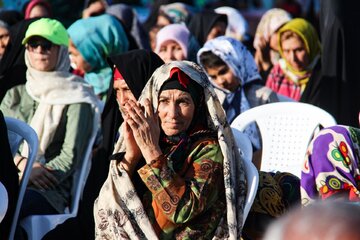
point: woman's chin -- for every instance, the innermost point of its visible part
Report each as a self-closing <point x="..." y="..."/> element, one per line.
<point x="171" y="131"/>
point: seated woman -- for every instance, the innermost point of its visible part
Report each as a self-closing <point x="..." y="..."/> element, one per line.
<point x="266" y="42"/>
<point x="172" y="43"/>
<point x="183" y="152"/>
<point x="62" y="109"/>
<point x="232" y="70"/>
<point x="299" y="48"/>
<point x="331" y="167"/>
<point x="127" y="82"/>
<point x="93" y="40"/>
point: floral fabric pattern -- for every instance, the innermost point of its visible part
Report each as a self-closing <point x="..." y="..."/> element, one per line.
<point x="331" y="165"/>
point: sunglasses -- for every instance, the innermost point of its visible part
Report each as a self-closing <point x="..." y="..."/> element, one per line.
<point x="45" y="45"/>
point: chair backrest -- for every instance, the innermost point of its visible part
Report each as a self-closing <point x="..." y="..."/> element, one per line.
<point x="19" y="131"/>
<point x="80" y="177"/>
<point x="4" y="201"/>
<point x="252" y="176"/>
<point x="36" y="226"/>
<point x="286" y="129"/>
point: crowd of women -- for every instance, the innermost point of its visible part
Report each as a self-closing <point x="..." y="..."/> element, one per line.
<point x="159" y="96"/>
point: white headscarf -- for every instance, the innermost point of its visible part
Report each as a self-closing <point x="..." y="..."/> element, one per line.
<point x="54" y="90"/>
<point x="243" y="65"/>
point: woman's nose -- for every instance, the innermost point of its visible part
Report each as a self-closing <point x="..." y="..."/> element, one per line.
<point x="173" y="111"/>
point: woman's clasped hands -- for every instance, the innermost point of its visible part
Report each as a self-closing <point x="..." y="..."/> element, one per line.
<point x="142" y="132"/>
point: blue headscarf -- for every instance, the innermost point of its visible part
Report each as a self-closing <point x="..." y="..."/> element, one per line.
<point x="243" y="66"/>
<point x="97" y="38"/>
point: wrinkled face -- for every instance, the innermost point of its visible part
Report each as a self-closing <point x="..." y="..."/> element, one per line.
<point x="77" y="60"/>
<point x="123" y="94"/>
<point x="217" y="30"/>
<point x="171" y="51"/>
<point x="43" y="54"/>
<point x="176" y="110"/>
<point x="295" y="53"/>
<point x="38" y="11"/>
<point x="4" y="40"/>
<point x="223" y="77"/>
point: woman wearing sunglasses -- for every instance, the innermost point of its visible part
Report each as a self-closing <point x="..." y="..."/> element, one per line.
<point x="62" y="109"/>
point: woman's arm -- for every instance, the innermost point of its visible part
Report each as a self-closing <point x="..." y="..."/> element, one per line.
<point x="78" y="129"/>
<point x="180" y="198"/>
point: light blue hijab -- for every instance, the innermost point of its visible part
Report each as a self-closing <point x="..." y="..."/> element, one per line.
<point x="98" y="38"/>
<point x="243" y="65"/>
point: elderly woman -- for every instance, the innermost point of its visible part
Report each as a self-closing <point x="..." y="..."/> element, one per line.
<point x="185" y="156"/>
<point x="232" y="70"/>
<point x="93" y="40"/>
<point x="299" y="48"/>
<point x="172" y="43"/>
<point x="62" y="109"/>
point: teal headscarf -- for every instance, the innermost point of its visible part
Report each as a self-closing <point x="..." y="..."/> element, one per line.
<point x="97" y="38"/>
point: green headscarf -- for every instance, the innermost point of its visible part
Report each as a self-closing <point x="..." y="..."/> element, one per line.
<point x="310" y="38"/>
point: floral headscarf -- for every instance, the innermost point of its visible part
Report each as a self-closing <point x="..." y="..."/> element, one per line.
<point x="118" y="195"/>
<point x="242" y="64"/>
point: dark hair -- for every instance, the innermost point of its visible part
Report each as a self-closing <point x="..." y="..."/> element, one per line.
<point x="210" y="60"/>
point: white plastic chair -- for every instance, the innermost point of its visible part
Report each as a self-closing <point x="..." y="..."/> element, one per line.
<point x="252" y="176"/>
<point x="36" y="226"/>
<point x="19" y="131"/>
<point x="286" y="129"/>
<point x="4" y="201"/>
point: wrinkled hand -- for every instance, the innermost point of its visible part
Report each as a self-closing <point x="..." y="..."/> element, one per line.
<point x="133" y="153"/>
<point x="145" y="128"/>
<point x="42" y="178"/>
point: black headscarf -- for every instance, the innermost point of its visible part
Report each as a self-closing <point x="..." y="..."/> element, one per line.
<point x="334" y="84"/>
<point x="136" y="67"/>
<point x="8" y="177"/>
<point x="201" y="23"/>
<point x="12" y="67"/>
<point x="11" y="17"/>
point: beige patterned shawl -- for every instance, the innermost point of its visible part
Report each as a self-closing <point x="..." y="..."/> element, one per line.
<point x="118" y="211"/>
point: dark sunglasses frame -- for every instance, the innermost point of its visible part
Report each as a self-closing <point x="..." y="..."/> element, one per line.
<point x="45" y="45"/>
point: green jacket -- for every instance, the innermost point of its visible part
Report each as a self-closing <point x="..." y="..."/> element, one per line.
<point x="68" y="146"/>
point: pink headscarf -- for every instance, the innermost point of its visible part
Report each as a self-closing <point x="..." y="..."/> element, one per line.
<point x="176" y="32"/>
<point x="34" y="3"/>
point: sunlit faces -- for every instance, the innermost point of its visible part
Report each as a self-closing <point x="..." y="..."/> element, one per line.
<point x="171" y="51"/>
<point x="176" y="111"/>
<point x="294" y="52"/>
<point x="42" y="53"/>
<point x="4" y="40"/>
<point x="77" y="59"/>
<point x="217" y="30"/>
<point x="223" y="77"/>
<point x="123" y="94"/>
